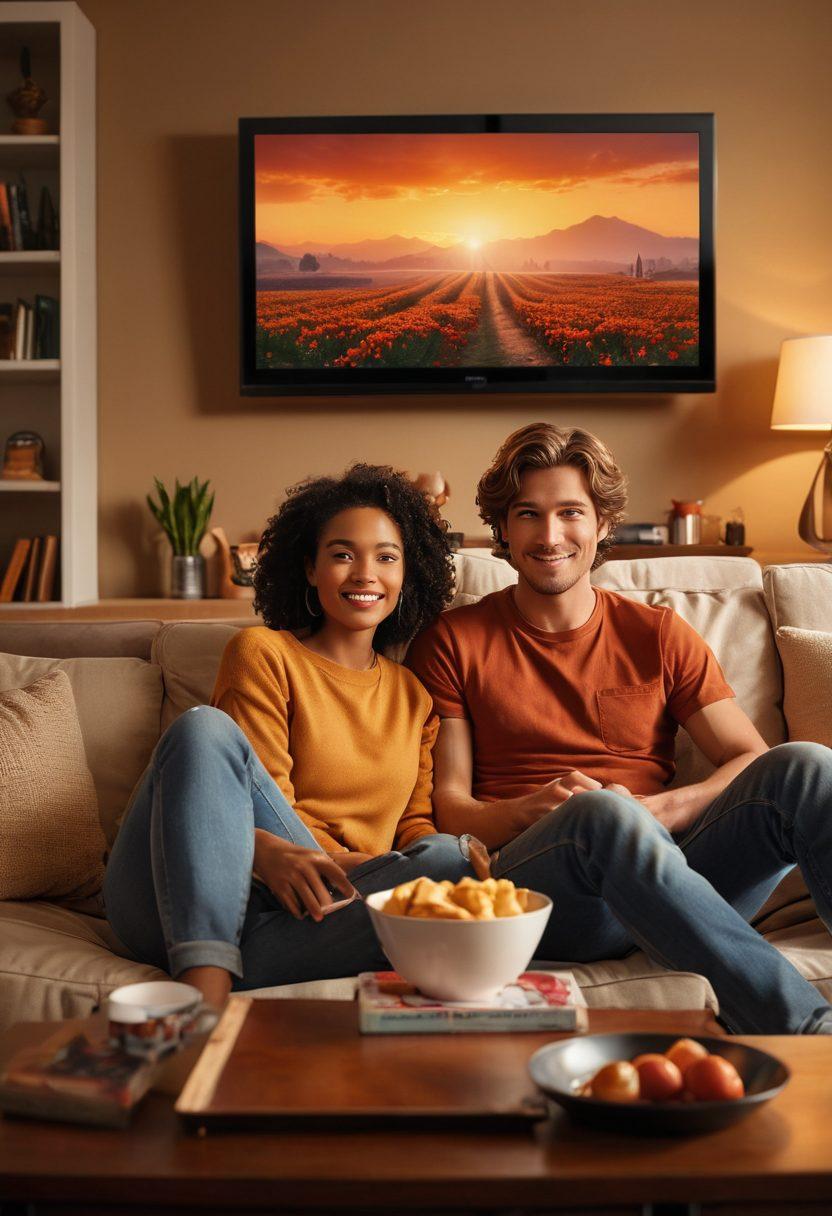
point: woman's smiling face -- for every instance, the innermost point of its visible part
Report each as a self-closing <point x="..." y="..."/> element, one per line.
<point x="359" y="568"/>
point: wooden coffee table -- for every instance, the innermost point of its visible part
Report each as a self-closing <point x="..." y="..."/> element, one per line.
<point x="778" y="1160"/>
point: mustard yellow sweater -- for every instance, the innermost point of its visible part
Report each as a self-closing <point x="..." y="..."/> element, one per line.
<point x="351" y="750"/>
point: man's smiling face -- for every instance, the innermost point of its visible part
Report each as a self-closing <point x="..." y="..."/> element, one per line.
<point x="552" y="529"/>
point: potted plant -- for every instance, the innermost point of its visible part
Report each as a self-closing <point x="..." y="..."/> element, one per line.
<point x="184" y="518"/>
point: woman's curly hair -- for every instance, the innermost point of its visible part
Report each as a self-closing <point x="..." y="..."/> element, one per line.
<point x="292" y="536"/>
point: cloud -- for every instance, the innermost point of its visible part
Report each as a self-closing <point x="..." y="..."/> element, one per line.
<point x="292" y="167"/>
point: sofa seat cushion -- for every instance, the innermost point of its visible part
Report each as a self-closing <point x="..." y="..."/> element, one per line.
<point x="808" y="947"/>
<point x="628" y="983"/>
<point x="55" y="963"/>
<point x="119" y="704"/>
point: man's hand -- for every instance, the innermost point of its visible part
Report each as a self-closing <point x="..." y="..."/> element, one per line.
<point x="297" y="876"/>
<point x="667" y="807"/>
<point x="531" y="807"/>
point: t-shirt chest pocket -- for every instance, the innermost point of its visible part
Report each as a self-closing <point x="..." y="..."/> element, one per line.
<point x="630" y="716"/>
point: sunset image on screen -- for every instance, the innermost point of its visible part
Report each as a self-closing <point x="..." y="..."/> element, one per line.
<point x="477" y="250"/>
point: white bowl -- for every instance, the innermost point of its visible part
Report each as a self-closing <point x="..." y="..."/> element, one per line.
<point x="460" y="960"/>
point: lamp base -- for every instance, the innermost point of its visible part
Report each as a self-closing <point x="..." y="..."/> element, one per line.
<point x="807" y="527"/>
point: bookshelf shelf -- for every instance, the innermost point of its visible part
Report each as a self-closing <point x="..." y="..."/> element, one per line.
<point x="42" y="487"/>
<point x="29" y="369"/>
<point x="28" y="151"/>
<point x="36" y="259"/>
<point x="57" y="398"/>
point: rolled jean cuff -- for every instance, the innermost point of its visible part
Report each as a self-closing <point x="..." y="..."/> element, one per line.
<point x="205" y="954"/>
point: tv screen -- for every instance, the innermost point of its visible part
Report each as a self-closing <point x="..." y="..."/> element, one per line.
<point x="477" y="254"/>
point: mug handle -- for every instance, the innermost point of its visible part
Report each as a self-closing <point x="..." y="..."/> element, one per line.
<point x="204" y="1019"/>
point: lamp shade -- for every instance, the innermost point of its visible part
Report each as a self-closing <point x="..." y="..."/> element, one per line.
<point x="803" y="396"/>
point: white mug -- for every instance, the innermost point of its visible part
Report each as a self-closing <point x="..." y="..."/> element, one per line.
<point x="150" y="1019"/>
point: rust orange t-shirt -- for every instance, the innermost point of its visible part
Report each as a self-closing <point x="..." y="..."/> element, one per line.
<point x="605" y="698"/>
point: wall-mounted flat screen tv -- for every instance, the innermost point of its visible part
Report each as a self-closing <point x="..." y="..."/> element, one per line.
<point x="477" y="254"/>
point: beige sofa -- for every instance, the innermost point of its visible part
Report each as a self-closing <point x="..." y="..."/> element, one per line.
<point x="131" y="680"/>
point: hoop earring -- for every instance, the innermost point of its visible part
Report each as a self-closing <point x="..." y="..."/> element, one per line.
<point x="399" y="606"/>
<point x="308" y="605"/>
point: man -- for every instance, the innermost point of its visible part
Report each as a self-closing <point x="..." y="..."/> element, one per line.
<point x="559" y="705"/>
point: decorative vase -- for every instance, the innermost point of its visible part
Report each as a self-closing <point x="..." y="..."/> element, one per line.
<point x="187" y="577"/>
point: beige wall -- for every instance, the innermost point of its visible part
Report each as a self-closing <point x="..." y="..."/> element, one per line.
<point x="174" y="76"/>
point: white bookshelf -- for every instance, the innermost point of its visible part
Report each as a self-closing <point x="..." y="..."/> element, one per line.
<point x="57" y="398"/>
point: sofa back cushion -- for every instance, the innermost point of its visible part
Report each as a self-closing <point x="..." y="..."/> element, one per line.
<point x="188" y="654"/>
<point x="119" y="704"/>
<point x="800" y="595"/>
<point x="721" y="597"/>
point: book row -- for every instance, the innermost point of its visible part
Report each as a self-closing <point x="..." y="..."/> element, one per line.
<point x="30" y="574"/>
<point x="30" y="331"/>
<point x="17" y="231"/>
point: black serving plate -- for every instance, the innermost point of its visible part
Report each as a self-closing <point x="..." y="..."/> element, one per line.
<point x="559" y="1069"/>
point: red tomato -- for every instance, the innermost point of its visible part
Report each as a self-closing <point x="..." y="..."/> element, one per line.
<point x="684" y="1052"/>
<point x="659" y="1078"/>
<point x="713" y="1079"/>
<point x="616" y="1082"/>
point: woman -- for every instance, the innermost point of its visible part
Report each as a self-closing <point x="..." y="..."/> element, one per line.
<point x="313" y="767"/>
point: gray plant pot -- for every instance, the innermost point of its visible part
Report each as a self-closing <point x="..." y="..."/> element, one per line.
<point x="187" y="577"/>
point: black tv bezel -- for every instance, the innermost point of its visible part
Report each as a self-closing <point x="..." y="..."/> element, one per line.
<point x="282" y="382"/>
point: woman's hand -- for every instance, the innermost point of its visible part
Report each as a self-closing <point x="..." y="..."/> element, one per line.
<point x="297" y="876"/>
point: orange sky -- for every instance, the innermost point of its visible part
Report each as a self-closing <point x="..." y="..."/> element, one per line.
<point x="450" y="188"/>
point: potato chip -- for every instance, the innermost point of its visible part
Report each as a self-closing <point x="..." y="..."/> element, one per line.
<point x="469" y="899"/>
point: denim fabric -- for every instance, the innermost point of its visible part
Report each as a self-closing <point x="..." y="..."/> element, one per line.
<point x="179" y="890"/>
<point x="618" y="880"/>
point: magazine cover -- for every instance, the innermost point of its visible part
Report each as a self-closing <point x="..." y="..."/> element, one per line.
<point x="76" y="1078"/>
<point x="537" y="1000"/>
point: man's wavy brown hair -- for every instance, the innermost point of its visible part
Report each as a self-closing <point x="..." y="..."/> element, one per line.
<point x="541" y="445"/>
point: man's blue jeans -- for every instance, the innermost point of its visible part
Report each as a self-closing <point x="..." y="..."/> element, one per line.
<point x="179" y="890"/>
<point x="618" y="880"/>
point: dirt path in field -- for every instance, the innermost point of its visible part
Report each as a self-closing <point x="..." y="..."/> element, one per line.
<point x="499" y="340"/>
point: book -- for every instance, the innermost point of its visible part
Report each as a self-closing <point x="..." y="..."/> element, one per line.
<point x="6" y="330"/>
<point x="47" y="230"/>
<point x="25" y="215"/>
<point x="14" y="570"/>
<point x="29" y="580"/>
<point x="537" y="1000"/>
<point x="29" y="333"/>
<point x="20" y="330"/>
<point x="48" y="568"/>
<point x="46" y="327"/>
<point x="5" y="219"/>
<point x="75" y="1076"/>
<point x="14" y="208"/>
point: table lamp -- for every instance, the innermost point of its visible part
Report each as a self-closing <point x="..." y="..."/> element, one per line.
<point x="803" y="402"/>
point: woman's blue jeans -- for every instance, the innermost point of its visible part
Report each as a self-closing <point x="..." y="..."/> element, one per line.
<point x="619" y="880"/>
<point x="179" y="890"/>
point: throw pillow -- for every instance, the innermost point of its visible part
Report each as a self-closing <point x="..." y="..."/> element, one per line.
<point x="807" y="679"/>
<point x="51" y="843"/>
<point x="118" y="701"/>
